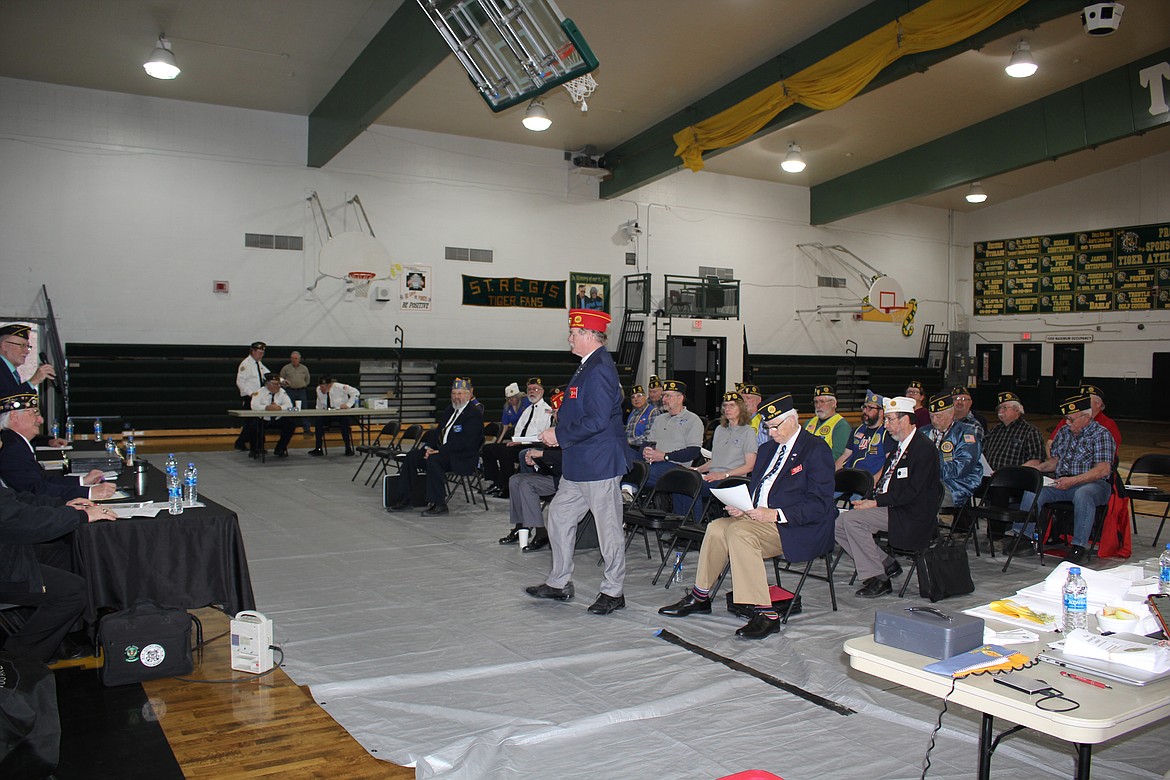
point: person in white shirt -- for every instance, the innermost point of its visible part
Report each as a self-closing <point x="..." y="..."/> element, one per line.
<point x="250" y="379"/>
<point x="500" y="461"/>
<point x="273" y="398"/>
<point x="332" y="394"/>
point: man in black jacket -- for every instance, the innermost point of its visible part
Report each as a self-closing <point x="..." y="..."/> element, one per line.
<point x="57" y="596"/>
<point x="905" y="503"/>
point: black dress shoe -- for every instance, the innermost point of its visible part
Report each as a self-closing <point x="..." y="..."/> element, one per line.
<point x="1076" y="554"/>
<point x="893" y="569"/>
<point x="688" y="605"/>
<point x="280" y="454"/>
<point x="606" y="604"/>
<point x="874" y="587"/>
<point x="434" y="510"/>
<point x="759" y="627"/>
<point x="401" y="506"/>
<point x="539" y="543"/>
<point x="316" y="453"/>
<point x="546" y="591"/>
<point x="513" y="537"/>
<point x="68" y="650"/>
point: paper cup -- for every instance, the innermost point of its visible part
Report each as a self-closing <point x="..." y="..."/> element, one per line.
<point x="297" y="404"/>
<point x="524" y="532"/>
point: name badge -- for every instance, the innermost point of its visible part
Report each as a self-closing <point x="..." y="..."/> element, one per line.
<point x="572" y="392"/>
<point x="901" y="473"/>
<point x="796" y="470"/>
<point x="456" y="429"/>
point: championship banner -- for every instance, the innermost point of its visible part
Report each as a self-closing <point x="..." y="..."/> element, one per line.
<point x="513" y="291"/>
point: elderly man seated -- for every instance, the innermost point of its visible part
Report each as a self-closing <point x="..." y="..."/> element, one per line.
<point x="20" y="421"/>
<point x="958" y="448"/>
<point x="1014" y="441"/>
<point x="827" y="424"/>
<point x="273" y="398"/>
<point x="676" y="436"/>
<point x="525" y="493"/>
<point x="452" y="445"/>
<point x="905" y="503"/>
<point x="1082" y="461"/>
<point x="792" y="492"/>
<point x="500" y="460"/>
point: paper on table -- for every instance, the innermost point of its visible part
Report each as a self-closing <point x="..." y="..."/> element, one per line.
<point x="1117" y="650"/>
<point x="526" y="439"/>
<point x="737" y="497"/>
<point x="43" y="448"/>
<point x="108" y="476"/>
<point x="118" y="496"/>
<point x="148" y="509"/>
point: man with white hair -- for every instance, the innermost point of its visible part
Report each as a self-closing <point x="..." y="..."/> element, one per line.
<point x="676" y="435"/>
<point x="1097" y="407"/>
<point x="500" y="461"/>
<point x="295" y="378"/>
<point x="958" y="445"/>
<point x="827" y="424"/>
<point x="596" y="456"/>
<point x="1015" y="440"/>
<point x="905" y="503"/>
<point x="20" y="421"/>
<point x="793" y="513"/>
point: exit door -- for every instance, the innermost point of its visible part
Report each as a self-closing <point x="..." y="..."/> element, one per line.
<point x="700" y="363"/>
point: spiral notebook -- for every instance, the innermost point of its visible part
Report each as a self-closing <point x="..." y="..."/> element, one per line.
<point x="987" y="658"/>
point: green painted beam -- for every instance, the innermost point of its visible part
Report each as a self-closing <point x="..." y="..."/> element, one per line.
<point x="1105" y="108"/>
<point x="405" y="50"/>
<point x="649" y="155"/>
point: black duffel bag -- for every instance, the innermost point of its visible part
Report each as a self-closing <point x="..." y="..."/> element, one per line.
<point x="944" y="571"/>
<point x="146" y="642"/>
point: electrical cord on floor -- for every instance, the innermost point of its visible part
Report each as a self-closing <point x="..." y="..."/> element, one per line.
<point x="937" y="727"/>
<point x="237" y="680"/>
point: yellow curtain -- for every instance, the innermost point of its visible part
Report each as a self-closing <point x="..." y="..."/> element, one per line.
<point x="835" y="80"/>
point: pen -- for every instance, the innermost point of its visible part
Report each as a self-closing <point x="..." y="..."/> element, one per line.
<point x="1078" y="678"/>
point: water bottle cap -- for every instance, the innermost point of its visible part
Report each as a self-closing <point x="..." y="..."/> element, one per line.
<point x="1074" y="569"/>
<point x="190" y="465"/>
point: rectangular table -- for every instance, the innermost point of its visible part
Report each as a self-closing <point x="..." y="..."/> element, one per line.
<point x="191" y="560"/>
<point x="357" y="411"/>
<point x="1103" y="714"/>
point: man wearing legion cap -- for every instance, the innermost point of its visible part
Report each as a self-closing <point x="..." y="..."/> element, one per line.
<point x="1081" y="462"/>
<point x="959" y="451"/>
<point x="904" y="503"/>
<point x="249" y="379"/>
<point x="1097" y="401"/>
<point x="827" y="424"/>
<point x="676" y="435"/>
<point x="592" y="436"/>
<point x="20" y="421"/>
<point x="14" y="352"/>
<point x="791" y="491"/>
<point x="1015" y="440"/>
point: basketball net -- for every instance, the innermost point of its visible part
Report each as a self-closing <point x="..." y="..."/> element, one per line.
<point x="582" y="86"/>
<point x="361" y="282"/>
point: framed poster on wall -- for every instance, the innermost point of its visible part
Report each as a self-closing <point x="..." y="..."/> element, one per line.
<point x="589" y="291"/>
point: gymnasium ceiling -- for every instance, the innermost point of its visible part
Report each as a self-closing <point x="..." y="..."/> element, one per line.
<point x="660" y="59"/>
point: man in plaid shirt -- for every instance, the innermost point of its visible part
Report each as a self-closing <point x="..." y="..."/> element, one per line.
<point x="1082" y="459"/>
<point x="1015" y="440"/>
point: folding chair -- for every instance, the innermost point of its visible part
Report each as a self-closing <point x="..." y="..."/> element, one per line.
<point x="1150" y="464"/>
<point x="637" y="475"/>
<point x="397" y="455"/>
<point x="690" y="535"/>
<point x="389" y="430"/>
<point x="850" y="482"/>
<point x="999" y="504"/>
<point x="826" y="556"/>
<point x="643" y="519"/>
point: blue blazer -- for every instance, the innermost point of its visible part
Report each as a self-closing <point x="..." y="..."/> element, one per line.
<point x="464" y="439"/>
<point x="20" y="471"/>
<point x="804" y="490"/>
<point x="589" y="428"/>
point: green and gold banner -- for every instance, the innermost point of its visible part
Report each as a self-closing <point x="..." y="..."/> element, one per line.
<point x="513" y="291"/>
<point x="1119" y="269"/>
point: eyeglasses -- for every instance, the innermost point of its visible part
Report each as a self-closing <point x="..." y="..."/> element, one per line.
<point x="870" y="406"/>
<point x="24" y="346"/>
<point x="1068" y="418"/>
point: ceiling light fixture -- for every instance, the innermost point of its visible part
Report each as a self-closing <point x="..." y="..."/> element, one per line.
<point x="161" y="63"/>
<point x="976" y="193"/>
<point x="536" y="118"/>
<point x="1021" y="65"/>
<point x="793" y="161"/>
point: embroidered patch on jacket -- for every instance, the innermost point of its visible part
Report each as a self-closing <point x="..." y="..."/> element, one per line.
<point x="947" y="446"/>
<point x="797" y="470"/>
<point x="969" y="438"/>
<point x="572" y="392"/>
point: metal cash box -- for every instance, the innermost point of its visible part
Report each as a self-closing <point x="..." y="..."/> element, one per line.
<point x="927" y="630"/>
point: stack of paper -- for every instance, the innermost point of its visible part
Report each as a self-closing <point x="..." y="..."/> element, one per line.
<point x="1151" y="658"/>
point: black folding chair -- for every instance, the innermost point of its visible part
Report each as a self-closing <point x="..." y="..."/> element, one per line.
<point x="1000" y="505"/>
<point x="1150" y="464"/>
<point x="643" y="519"/>
<point x="389" y="432"/>
<point x="852" y="482"/>
<point x="688" y="536"/>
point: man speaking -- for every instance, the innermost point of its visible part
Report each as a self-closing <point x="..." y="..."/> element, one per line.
<point x="592" y="436"/>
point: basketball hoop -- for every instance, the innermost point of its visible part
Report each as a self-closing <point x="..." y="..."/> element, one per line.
<point x="582" y="86"/>
<point x="361" y="282"/>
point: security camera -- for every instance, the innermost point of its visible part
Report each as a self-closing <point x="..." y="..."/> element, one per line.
<point x="1102" y="18"/>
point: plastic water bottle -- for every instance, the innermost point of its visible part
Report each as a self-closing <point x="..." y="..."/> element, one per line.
<point x="55" y="430"/>
<point x="190" y="484"/>
<point x="1076" y="601"/>
<point x="131" y="450"/>
<point x="97" y="429"/>
<point x="1164" y="571"/>
<point x="171" y="466"/>
<point x="111" y="448"/>
<point x="174" y="494"/>
<point x="69" y="430"/>
<point x="676" y="574"/>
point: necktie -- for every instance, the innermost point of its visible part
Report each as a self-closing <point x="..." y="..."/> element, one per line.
<point x="890" y="470"/>
<point x="272" y="398"/>
<point x="531" y="413"/>
<point x="450" y="423"/>
<point x="259" y="374"/>
<point x="328" y="401"/>
<point x="771" y="472"/>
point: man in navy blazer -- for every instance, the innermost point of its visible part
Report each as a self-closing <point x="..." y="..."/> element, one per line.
<point x="905" y="503"/>
<point x="592" y="434"/>
<point x="20" y="421"/>
<point x="452" y="445"/>
<point x="792" y="492"/>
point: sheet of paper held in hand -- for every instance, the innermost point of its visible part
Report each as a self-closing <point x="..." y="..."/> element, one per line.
<point x="737" y="497"/>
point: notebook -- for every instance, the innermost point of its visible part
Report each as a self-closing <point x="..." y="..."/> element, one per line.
<point x="987" y="658"/>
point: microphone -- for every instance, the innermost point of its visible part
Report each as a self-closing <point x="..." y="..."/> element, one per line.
<point x="44" y="359"/>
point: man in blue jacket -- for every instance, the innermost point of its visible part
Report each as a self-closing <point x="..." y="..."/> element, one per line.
<point x="592" y="435"/>
<point x="959" y="450"/>
<point x="793" y="515"/>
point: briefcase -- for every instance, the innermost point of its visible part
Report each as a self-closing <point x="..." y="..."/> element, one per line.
<point x="394" y="488"/>
<point x="944" y="571"/>
<point x="146" y="642"/>
<point x="780" y="598"/>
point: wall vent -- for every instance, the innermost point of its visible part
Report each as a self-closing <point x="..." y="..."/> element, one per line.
<point x="468" y="255"/>
<point x="830" y="281"/>
<point x="269" y="241"/>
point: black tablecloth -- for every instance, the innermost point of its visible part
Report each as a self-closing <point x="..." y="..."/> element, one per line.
<point x="191" y="560"/>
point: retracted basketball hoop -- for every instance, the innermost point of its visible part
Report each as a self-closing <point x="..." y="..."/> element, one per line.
<point x="582" y="86"/>
<point x="361" y="282"/>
